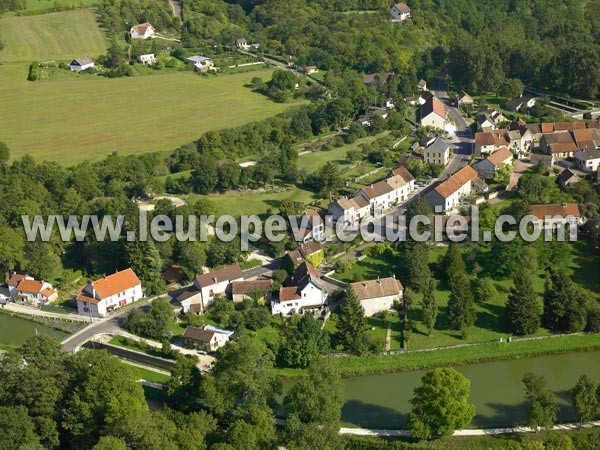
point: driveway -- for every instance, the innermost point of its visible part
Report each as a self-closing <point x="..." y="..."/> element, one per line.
<point x="519" y="168"/>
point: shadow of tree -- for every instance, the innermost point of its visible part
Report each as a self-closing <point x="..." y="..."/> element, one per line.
<point x="372" y="416"/>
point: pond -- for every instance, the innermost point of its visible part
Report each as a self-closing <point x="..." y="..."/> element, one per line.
<point x="382" y="401"/>
<point x="14" y="330"/>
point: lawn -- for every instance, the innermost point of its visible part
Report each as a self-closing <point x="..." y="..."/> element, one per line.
<point x="151" y="375"/>
<point x="61" y="35"/>
<point x="49" y="5"/>
<point x="72" y="119"/>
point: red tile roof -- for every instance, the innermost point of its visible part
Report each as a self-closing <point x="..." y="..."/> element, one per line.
<point x="289" y="293"/>
<point x="30" y="286"/>
<point x="115" y="283"/>
<point x="402" y="7"/>
<point x="142" y="27"/>
<point x="499" y="156"/>
<point x="383" y="287"/>
<point x="227" y="273"/>
<point x="433" y="105"/>
<point x="456" y="181"/>
<point x="16" y="278"/>
<point x="555" y="209"/>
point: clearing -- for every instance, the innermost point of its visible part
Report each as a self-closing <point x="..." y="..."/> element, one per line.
<point x="61" y="35"/>
<point x="84" y="117"/>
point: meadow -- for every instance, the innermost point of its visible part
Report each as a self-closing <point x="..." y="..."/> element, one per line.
<point x="53" y="36"/>
<point x="73" y="118"/>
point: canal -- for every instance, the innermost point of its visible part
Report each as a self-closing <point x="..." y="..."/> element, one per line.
<point x="382" y="401"/>
<point x="14" y="330"/>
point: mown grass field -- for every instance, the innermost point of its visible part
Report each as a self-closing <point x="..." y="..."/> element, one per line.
<point x="71" y="119"/>
<point x="61" y="35"/>
<point x="49" y="5"/>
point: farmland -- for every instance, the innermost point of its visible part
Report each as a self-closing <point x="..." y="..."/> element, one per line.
<point x="71" y="119"/>
<point x="61" y="35"/>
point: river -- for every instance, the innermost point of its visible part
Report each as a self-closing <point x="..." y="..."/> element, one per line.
<point x="382" y="401"/>
<point x="14" y="330"/>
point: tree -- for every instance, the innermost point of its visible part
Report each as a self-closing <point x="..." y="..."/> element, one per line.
<point x="440" y="405"/>
<point x="522" y="310"/>
<point x="453" y="261"/>
<point x="352" y="324"/>
<point x="503" y="173"/>
<point x="584" y="398"/>
<point x="206" y="177"/>
<point x="511" y="88"/>
<point x="304" y="341"/>
<point x="564" y="303"/>
<point x="486" y="290"/>
<point x="16" y="428"/>
<point x="184" y="384"/>
<point x="415" y="260"/>
<point x="4" y="152"/>
<point x="312" y="436"/>
<point x="461" y="312"/>
<point x="144" y="259"/>
<point x="110" y="443"/>
<point x="329" y="180"/>
<point x="542" y="408"/>
<point x="318" y="397"/>
<point x="430" y="309"/>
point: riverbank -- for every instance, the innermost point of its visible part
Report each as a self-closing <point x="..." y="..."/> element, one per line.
<point x="15" y="329"/>
<point x="352" y="366"/>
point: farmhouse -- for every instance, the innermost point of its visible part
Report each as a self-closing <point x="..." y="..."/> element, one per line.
<point x="560" y="144"/>
<point x="464" y="99"/>
<point x="400" y="12"/>
<point x="586" y="138"/>
<point x="433" y="114"/>
<point x="377" y="296"/>
<point x="100" y="297"/>
<point x="206" y="337"/>
<point x="146" y="60"/>
<point x="29" y="290"/>
<point x="490" y="120"/>
<point x="448" y="194"/>
<point x="81" y="63"/>
<point x="556" y="215"/>
<point x="487" y="142"/>
<point x="202" y="63"/>
<point x="312" y="252"/>
<point x="567" y="178"/>
<point x="488" y="167"/>
<point x="349" y="210"/>
<point x="142" y="31"/>
<point x="520" y="103"/>
<point x="258" y="290"/>
<point x="438" y="152"/>
<point x="314" y="228"/>
<point x="375" y="79"/>
<point x="588" y="159"/>
<point x="300" y="293"/>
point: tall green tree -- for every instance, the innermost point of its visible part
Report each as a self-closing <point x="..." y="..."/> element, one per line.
<point x="453" y="261"/>
<point x="352" y="324"/>
<point x="585" y="399"/>
<point x="429" y="307"/>
<point x="329" y="180"/>
<point x="415" y="261"/>
<point x="461" y="311"/>
<point x="144" y="259"/>
<point x="522" y="310"/>
<point x="542" y="407"/>
<point x="304" y="342"/>
<point x="564" y="303"/>
<point x="16" y="429"/>
<point x="440" y="405"/>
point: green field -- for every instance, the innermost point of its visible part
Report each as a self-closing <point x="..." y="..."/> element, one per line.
<point x="61" y="35"/>
<point x="71" y="119"/>
<point x="49" y="5"/>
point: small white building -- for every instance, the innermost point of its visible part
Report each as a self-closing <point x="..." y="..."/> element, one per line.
<point x="142" y="31"/>
<point x="588" y="159"/>
<point x="433" y="113"/>
<point x="27" y="289"/>
<point x="202" y="63"/>
<point x="487" y="168"/>
<point x="438" y="152"/>
<point x="147" y="60"/>
<point x="99" y="298"/>
<point x="448" y="194"/>
<point x="377" y="296"/>
<point x="81" y="63"/>
<point x="400" y="12"/>
<point x="301" y="293"/>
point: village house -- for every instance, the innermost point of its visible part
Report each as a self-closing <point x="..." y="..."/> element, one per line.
<point x="310" y="69"/>
<point x="408" y="178"/>
<point x="24" y="288"/>
<point x="545" y="160"/>
<point x="567" y="178"/>
<point x="400" y="12"/>
<point x="433" y="114"/>
<point x="588" y="159"/>
<point x="312" y="252"/>
<point x="488" y="167"/>
<point x="257" y="290"/>
<point x="553" y="216"/>
<point x="377" y="79"/>
<point x="521" y="138"/>
<point x="438" y="152"/>
<point x="99" y="298"/>
<point x="464" y="99"/>
<point x="81" y="63"/>
<point x="349" y="211"/>
<point x="142" y="31"/>
<point x="303" y="292"/>
<point x="375" y="111"/>
<point x="206" y="337"/>
<point x="560" y="144"/>
<point x="448" y="194"/>
<point x="520" y="102"/>
<point x="147" y="59"/>
<point x="425" y="97"/>
<point x="490" y="120"/>
<point x="422" y="85"/>
<point x="586" y="138"/>
<point x="487" y="142"/>
<point x="207" y="286"/>
<point x="378" y="296"/>
<point x="242" y="44"/>
<point x="311" y="227"/>
<point x="202" y="63"/>
<point x="379" y="196"/>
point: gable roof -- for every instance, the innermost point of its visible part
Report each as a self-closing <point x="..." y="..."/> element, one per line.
<point x="554" y="209"/>
<point x="295" y="257"/>
<point x="227" y="273"/>
<point x="310" y="247"/>
<point x="382" y="287"/>
<point x="82" y="61"/>
<point x="566" y="175"/>
<point x="559" y="142"/>
<point x="370" y="78"/>
<point x="402" y="7"/>
<point x="396" y="182"/>
<point x="199" y="334"/>
<point x="142" y="27"/>
<point x="463" y="97"/>
<point x="456" y="181"/>
<point x="197" y="59"/>
<point x="438" y="145"/>
<point x="433" y="105"/>
<point x="587" y="154"/>
<point x="376" y="190"/>
<point x="403" y="172"/>
<point x="247" y="287"/>
<point x="586" y="138"/>
<point x="30" y="286"/>
<point x="113" y="284"/>
<point x="16" y="278"/>
<point x="289" y="293"/>
<point x="499" y="156"/>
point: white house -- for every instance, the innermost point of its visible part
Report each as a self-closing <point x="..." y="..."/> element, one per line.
<point x="202" y="63"/>
<point x="301" y="293"/>
<point x="400" y="12"/>
<point x="588" y="159"/>
<point x="377" y="296"/>
<point x="448" y="194"/>
<point x="147" y="60"/>
<point x="433" y="113"/>
<point x="208" y="286"/>
<point x="314" y="229"/>
<point x="488" y="167"/>
<point x="100" y="297"/>
<point x="142" y="31"/>
<point x="29" y="290"/>
<point x="81" y="63"/>
<point x="349" y="210"/>
<point x="438" y="152"/>
<point x="487" y="142"/>
<point x="464" y="99"/>
<point x="379" y="195"/>
<point x="520" y="103"/>
<point x="206" y="337"/>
